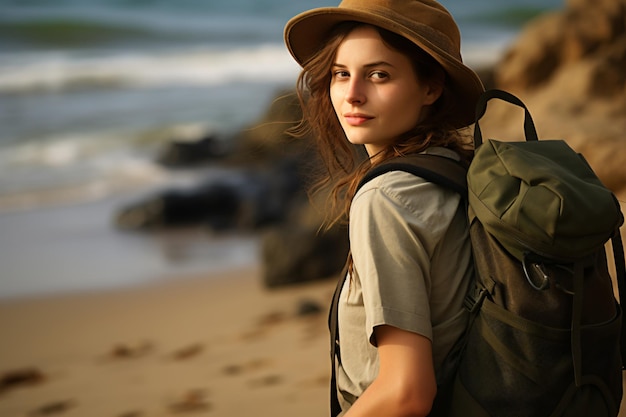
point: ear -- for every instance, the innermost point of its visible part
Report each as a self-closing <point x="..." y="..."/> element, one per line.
<point x="434" y="91"/>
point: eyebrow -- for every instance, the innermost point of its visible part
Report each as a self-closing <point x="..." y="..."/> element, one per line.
<point x="373" y="64"/>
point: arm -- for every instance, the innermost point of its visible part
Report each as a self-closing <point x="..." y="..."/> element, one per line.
<point x="405" y="385"/>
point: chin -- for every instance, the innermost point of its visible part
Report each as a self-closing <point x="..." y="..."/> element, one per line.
<point x="357" y="140"/>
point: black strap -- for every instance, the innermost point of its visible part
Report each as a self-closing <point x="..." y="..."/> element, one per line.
<point x="577" y="311"/>
<point x="437" y="169"/>
<point x="481" y="108"/>
<point x="335" y="408"/>
<point x="620" y="273"/>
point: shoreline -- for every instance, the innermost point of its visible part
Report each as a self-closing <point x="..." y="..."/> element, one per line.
<point x="76" y="248"/>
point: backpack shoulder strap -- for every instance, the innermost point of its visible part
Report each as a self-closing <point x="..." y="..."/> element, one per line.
<point x="437" y="169"/>
<point x="620" y="272"/>
<point x="333" y="325"/>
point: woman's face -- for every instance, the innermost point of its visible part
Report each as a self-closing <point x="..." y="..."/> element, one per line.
<point x="375" y="91"/>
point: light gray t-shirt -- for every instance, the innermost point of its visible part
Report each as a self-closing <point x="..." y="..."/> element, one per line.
<point x="412" y="268"/>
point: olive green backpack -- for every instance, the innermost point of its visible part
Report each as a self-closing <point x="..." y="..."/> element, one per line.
<point x="545" y="336"/>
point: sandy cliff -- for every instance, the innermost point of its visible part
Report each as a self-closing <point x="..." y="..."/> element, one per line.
<point x="569" y="67"/>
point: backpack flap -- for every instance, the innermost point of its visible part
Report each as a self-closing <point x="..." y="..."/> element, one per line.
<point x="541" y="197"/>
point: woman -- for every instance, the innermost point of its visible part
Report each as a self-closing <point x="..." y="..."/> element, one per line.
<point x="388" y="76"/>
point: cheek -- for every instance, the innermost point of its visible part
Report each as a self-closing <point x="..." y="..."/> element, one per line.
<point x="335" y="98"/>
<point x="409" y="109"/>
<point x="400" y="109"/>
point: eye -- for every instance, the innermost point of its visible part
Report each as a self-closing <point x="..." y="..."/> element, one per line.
<point x="341" y="74"/>
<point x="379" y="75"/>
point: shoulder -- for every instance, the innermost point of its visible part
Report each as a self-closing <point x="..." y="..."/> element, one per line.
<point x="409" y="190"/>
<point x="406" y="191"/>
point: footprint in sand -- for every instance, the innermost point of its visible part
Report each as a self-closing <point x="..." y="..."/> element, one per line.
<point x="53" y="408"/>
<point x="321" y="380"/>
<point x="264" y="324"/>
<point x="20" y="378"/>
<point x="307" y="311"/>
<point x="273" y="318"/>
<point x="265" y="381"/>
<point x="253" y="365"/>
<point x="188" y="352"/>
<point x="131" y="350"/>
<point x="132" y="414"/>
<point x="192" y="400"/>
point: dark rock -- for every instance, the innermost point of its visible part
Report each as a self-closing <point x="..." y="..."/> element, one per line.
<point x="268" y="140"/>
<point x="237" y="199"/>
<point x="308" y="308"/>
<point x="293" y="253"/>
<point x="185" y="153"/>
<point x="214" y="203"/>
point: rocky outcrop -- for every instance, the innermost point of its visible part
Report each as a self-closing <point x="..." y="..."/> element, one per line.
<point x="268" y="141"/>
<point x="296" y="252"/>
<point x="236" y="199"/>
<point x="569" y="67"/>
<point x="294" y="249"/>
<point x="186" y="153"/>
<point x="593" y="30"/>
<point x="262" y="187"/>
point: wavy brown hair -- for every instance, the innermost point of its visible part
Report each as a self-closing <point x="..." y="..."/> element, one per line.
<point x="345" y="163"/>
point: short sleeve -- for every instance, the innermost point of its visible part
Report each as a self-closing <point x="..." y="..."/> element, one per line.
<point x="397" y="220"/>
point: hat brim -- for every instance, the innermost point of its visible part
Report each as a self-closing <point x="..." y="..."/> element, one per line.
<point x="305" y="34"/>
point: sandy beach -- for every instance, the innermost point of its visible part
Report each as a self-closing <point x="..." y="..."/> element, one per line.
<point x="205" y="345"/>
<point x="218" y="346"/>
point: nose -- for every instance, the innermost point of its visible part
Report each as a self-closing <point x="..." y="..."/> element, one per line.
<point x="355" y="93"/>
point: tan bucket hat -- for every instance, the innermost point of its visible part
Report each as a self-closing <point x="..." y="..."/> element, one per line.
<point x="424" y="22"/>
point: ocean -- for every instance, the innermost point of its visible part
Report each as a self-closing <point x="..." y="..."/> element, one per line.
<point x="91" y="89"/>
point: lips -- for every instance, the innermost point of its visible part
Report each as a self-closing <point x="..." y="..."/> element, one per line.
<point x="356" y="119"/>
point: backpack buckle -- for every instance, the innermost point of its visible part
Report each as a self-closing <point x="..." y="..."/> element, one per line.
<point x="474" y="299"/>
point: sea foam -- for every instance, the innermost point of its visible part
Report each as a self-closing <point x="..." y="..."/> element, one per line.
<point x="27" y="72"/>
